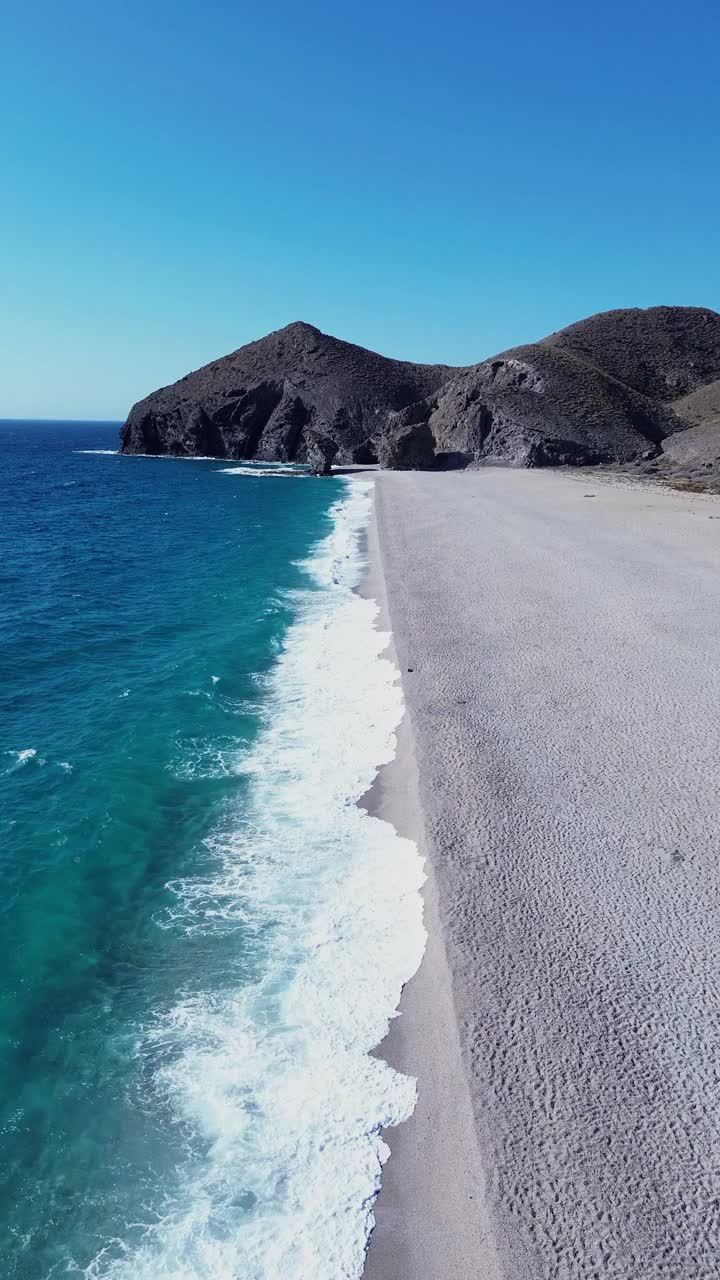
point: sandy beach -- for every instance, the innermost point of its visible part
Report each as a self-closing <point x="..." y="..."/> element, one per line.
<point x="558" y="638"/>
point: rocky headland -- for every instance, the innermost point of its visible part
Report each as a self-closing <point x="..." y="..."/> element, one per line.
<point x="627" y="387"/>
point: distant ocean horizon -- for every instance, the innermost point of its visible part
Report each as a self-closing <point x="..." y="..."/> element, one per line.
<point x="203" y="935"/>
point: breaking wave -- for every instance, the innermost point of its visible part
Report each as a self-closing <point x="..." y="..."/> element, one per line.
<point x="270" y="1077"/>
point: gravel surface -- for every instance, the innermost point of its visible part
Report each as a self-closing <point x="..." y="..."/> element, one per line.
<point x="559" y="638"/>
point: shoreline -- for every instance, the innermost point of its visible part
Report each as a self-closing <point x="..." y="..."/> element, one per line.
<point x="340" y="896"/>
<point x="559" y="664"/>
<point x="431" y="1216"/>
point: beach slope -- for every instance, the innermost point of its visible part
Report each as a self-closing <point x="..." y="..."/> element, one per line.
<point x="559" y="638"/>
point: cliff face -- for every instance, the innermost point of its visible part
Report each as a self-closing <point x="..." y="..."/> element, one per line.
<point x="600" y="391"/>
<point x="542" y="406"/>
<point x="291" y="394"/>
<point x="596" y="392"/>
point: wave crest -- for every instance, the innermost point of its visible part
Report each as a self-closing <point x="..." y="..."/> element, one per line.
<point x="271" y="1076"/>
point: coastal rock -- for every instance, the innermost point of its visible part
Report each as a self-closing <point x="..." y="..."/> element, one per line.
<point x="263" y="400"/>
<point x="408" y="444"/>
<point x="282" y="432"/>
<point x="540" y="406"/>
<point x="609" y="390"/>
<point x="320" y="451"/>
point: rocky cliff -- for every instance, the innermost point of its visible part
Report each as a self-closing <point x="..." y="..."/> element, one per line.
<point x="690" y="459"/>
<point x="297" y="395"/>
<point x="596" y="392"/>
<point x="608" y="389"/>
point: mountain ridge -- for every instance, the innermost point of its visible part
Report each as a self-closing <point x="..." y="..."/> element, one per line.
<point x="599" y="391"/>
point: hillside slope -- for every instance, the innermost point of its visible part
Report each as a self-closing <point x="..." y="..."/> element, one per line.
<point x="694" y="454"/>
<point x="596" y="392"/>
<point x="609" y="389"/>
<point x="701" y="406"/>
<point x="662" y="352"/>
<point x="542" y="406"/>
<point x="274" y="398"/>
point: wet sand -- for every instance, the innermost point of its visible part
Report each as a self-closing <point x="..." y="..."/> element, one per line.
<point x="560" y="762"/>
<point x="424" y="1042"/>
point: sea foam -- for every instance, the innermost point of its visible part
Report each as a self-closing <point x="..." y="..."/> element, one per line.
<point x="272" y="1081"/>
<point x="288" y="471"/>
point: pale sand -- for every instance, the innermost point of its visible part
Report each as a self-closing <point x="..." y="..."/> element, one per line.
<point x="564" y="711"/>
<point x="424" y="1042"/>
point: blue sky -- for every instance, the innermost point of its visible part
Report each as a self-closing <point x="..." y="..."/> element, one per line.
<point x="433" y="181"/>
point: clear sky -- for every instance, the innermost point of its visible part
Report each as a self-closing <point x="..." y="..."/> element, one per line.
<point x="436" y="181"/>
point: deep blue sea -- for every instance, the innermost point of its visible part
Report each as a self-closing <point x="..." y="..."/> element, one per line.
<point x="202" y="934"/>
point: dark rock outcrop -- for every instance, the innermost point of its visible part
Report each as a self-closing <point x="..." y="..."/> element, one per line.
<point x="662" y="352"/>
<point x="691" y="458"/>
<point x="701" y="407"/>
<point x="607" y="390"/>
<point x="266" y="399"/>
<point x="408" y="444"/>
<point x="540" y="406"/>
<point x="320" y="452"/>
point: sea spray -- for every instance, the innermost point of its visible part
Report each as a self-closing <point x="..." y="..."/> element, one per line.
<point x="271" y="1080"/>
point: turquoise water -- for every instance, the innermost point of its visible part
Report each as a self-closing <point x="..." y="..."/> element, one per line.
<point x="143" y="603"/>
<point x="203" y="935"/>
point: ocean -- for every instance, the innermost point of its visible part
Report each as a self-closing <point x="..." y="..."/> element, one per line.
<point x="203" y="936"/>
